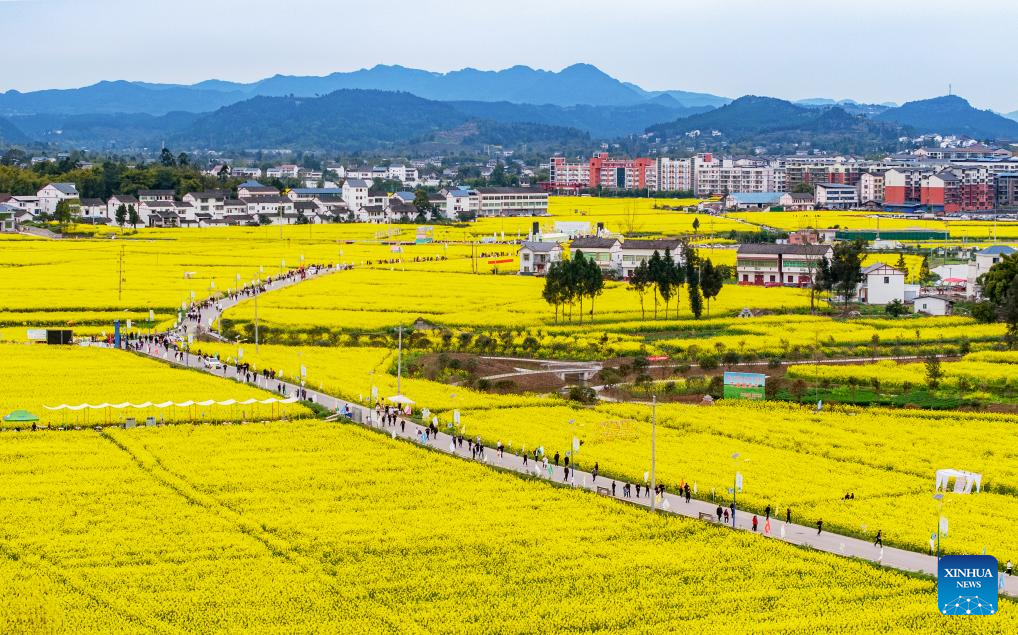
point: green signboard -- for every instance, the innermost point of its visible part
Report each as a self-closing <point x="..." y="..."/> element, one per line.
<point x="744" y="385"/>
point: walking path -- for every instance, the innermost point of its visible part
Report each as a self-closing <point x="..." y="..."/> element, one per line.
<point x="802" y="535"/>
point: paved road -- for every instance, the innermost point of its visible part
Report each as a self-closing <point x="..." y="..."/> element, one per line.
<point x="788" y="532"/>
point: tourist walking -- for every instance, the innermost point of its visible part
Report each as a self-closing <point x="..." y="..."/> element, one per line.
<point x="820" y="526"/>
<point x="719" y="513"/>
<point x="732" y="507"/>
<point x="1009" y="568"/>
<point x="879" y="541"/>
<point x="754" y="522"/>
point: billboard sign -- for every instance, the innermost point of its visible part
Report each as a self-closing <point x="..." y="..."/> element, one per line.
<point x="744" y="385"/>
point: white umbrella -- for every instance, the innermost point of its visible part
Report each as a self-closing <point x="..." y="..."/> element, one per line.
<point x="400" y="399"/>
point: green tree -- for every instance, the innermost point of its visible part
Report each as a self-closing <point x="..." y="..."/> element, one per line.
<point x="934" y="373"/>
<point x="925" y="275"/>
<point x="901" y="265"/>
<point x="421" y="201"/>
<point x="639" y="281"/>
<point x="896" y="308"/>
<point x="820" y="269"/>
<point x="552" y="292"/>
<point x="592" y="281"/>
<point x="711" y="281"/>
<point x="696" y="225"/>
<point x="121" y="215"/>
<point x="166" y="158"/>
<point x="65" y="211"/>
<point x="999" y="286"/>
<point x="692" y="262"/>
<point x="654" y="265"/>
<point x="132" y="216"/>
<point x="846" y="269"/>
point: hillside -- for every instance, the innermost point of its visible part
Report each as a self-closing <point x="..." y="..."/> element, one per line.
<point x="951" y="115"/>
<point x="766" y="120"/>
<point x="576" y="84"/>
<point x="10" y="134"/>
<point x="599" y="121"/>
<point x="98" y="132"/>
<point x="354" y="120"/>
<point x="114" y="97"/>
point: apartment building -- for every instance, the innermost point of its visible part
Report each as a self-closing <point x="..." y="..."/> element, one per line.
<point x="512" y="201"/>
<point x="779" y="265"/>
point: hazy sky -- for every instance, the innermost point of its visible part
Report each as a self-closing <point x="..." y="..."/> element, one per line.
<point x="869" y="50"/>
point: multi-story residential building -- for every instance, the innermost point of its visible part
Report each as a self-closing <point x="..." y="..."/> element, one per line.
<point x="973" y="152"/>
<point x="871" y="188"/>
<point x="836" y="196"/>
<point x="288" y="171"/>
<point x="903" y="186"/>
<point x="882" y="284"/>
<point x="674" y="175"/>
<point x="248" y="172"/>
<point x="116" y="201"/>
<point x="355" y="193"/>
<point x="1007" y="191"/>
<point x="52" y="194"/>
<point x="151" y="196"/>
<point x="981" y="263"/>
<point x="602" y="171"/>
<point x="273" y="207"/>
<point x="779" y="265"/>
<point x="462" y="203"/>
<point x="92" y="209"/>
<point x="512" y="201"/>
<point x="253" y="189"/>
<point x="210" y="202"/>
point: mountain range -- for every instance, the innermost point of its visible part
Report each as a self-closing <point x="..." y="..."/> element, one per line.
<point x="952" y="115"/>
<point x="410" y="106"/>
<point x="769" y="121"/>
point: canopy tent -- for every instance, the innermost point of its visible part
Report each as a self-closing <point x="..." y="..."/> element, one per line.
<point x="167" y="404"/>
<point x="21" y="416"/>
<point x="400" y="399"/>
<point x="963" y="481"/>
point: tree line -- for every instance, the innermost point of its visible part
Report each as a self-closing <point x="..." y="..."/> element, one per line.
<point x="572" y="280"/>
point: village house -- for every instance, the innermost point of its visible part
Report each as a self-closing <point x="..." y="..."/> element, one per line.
<point x="52" y="194"/>
<point x="636" y="251"/>
<point x="882" y="284"/>
<point x="606" y="252"/>
<point x="253" y="189"/>
<point x="536" y="258"/>
<point x="779" y="265"/>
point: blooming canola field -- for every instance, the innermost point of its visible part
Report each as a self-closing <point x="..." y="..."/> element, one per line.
<point x="307" y="526"/>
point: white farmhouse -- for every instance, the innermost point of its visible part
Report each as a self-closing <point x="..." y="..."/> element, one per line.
<point x="53" y="193"/>
<point x="606" y="252"/>
<point x="536" y="258"/>
<point x="933" y="305"/>
<point x="982" y="263"/>
<point x="355" y="193"/>
<point x="882" y="284"/>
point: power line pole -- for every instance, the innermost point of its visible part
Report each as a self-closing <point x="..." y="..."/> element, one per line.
<point x="399" y="363"/>
<point x="120" y="275"/>
<point x="653" y="440"/>
<point x="257" y="293"/>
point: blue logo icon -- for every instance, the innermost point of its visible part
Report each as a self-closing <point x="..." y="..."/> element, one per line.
<point x="967" y="585"/>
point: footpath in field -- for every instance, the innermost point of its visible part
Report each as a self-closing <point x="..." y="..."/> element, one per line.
<point x="407" y="430"/>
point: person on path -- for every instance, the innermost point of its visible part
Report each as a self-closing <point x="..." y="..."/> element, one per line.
<point x="879" y="539"/>
<point x="556" y="458"/>
<point x="594" y="472"/>
<point x="500" y="448"/>
<point x="565" y="474"/>
<point x="726" y="516"/>
<point x="732" y="507"/>
<point x="1009" y="568"/>
<point x="687" y="493"/>
<point x="767" y="512"/>
<point x="613" y="488"/>
<point x="820" y="526"/>
<point x="524" y="459"/>
<point x="719" y="513"/>
<point x="788" y="516"/>
<point x="638" y="490"/>
<point x="754" y="522"/>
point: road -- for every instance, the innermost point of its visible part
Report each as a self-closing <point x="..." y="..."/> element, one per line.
<point x="793" y="533"/>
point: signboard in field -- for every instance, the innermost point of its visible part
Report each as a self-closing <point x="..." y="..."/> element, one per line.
<point x="425" y="234"/>
<point x="744" y="385"/>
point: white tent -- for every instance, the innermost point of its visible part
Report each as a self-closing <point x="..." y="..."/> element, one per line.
<point x="400" y="399"/>
<point x="963" y="481"/>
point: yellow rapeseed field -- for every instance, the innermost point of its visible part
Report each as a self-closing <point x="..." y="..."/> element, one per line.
<point x="311" y="527"/>
<point x="35" y="376"/>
